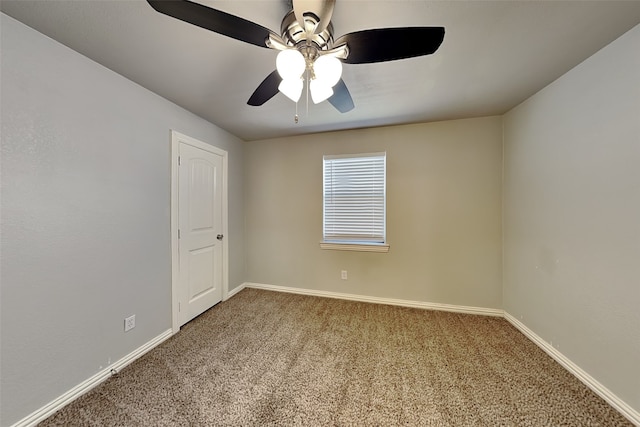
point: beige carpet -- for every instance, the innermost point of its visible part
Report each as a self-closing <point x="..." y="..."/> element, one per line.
<point x="268" y="358"/>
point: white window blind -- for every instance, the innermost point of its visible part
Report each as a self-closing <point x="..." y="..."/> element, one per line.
<point x="354" y="198"/>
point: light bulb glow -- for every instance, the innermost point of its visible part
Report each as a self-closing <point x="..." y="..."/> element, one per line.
<point x="328" y="70"/>
<point x="290" y="64"/>
<point x="319" y="91"/>
<point x="291" y="88"/>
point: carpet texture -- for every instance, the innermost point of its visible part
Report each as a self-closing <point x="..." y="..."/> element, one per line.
<point x="269" y="358"/>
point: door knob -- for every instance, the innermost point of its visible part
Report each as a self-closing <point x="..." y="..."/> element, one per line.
<point x="219" y="236"/>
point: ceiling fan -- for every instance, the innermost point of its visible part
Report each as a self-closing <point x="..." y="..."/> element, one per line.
<point x="308" y="51"/>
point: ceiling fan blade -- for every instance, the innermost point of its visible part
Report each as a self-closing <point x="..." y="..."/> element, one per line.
<point x="322" y="9"/>
<point x="214" y="20"/>
<point x="390" y="44"/>
<point x="341" y="98"/>
<point x="267" y="89"/>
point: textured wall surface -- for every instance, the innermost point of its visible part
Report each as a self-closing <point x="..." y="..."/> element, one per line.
<point x="572" y="215"/>
<point x="443" y="213"/>
<point x="85" y="216"/>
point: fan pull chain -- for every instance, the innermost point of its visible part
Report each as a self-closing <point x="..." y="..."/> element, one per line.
<point x="307" y="92"/>
<point x="295" y="118"/>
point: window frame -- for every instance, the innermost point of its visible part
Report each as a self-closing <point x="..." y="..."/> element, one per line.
<point x="355" y="244"/>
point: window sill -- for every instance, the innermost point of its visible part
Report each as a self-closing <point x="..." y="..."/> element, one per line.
<point x="358" y="247"/>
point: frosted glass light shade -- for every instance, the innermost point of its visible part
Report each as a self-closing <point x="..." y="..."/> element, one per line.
<point x="290" y="64"/>
<point x="319" y="91"/>
<point x="328" y="70"/>
<point x="292" y="88"/>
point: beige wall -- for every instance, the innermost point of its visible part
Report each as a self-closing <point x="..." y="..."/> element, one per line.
<point x="443" y="213"/>
<point x="572" y="215"/>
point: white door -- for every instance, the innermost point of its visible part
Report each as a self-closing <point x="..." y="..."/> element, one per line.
<point x="200" y="231"/>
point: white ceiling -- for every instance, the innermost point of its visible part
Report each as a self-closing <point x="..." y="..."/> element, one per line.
<point x="495" y="54"/>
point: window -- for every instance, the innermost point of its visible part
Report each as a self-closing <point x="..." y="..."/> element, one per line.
<point x="355" y="202"/>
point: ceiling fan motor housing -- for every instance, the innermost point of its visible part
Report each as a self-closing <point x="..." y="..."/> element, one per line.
<point x="309" y="44"/>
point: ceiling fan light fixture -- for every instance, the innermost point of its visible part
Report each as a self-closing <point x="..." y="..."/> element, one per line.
<point x="319" y="91"/>
<point x="291" y="88"/>
<point x="290" y="64"/>
<point x="328" y="70"/>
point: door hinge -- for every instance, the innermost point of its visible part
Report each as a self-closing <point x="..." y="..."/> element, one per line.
<point x="178" y="160"/>
<point x="178" y="233"/>
<point x="178" y="306"/>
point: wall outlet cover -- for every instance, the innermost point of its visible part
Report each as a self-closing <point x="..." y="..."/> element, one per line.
<point x="129" y="323"/>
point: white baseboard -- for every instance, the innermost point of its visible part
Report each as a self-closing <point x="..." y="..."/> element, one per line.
<point x="613" y="400"/>
<point x="77" y="391"/>
<point x="234" y="291"/>
<point x="378" y="300"/>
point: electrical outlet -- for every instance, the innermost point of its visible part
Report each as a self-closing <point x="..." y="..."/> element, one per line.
<point x="129" y="323"/>
<point x="344" y="275"/>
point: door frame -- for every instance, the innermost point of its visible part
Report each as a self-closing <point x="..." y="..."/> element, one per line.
<point x="176" y="139"/>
